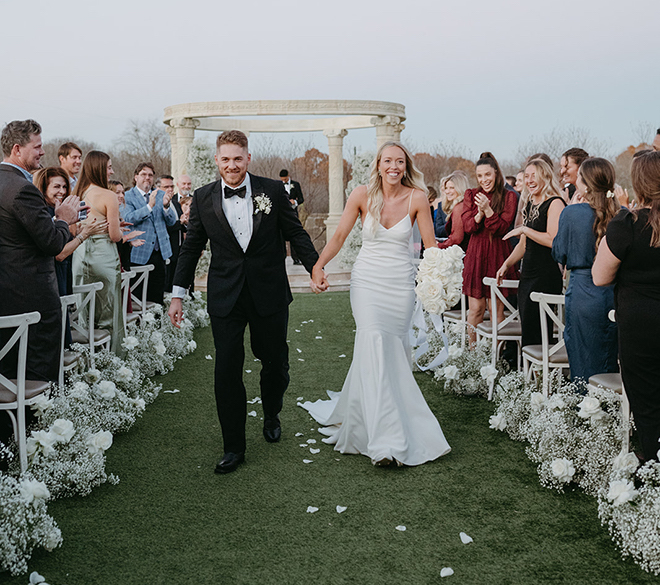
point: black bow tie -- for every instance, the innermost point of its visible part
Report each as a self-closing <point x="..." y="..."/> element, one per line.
<point x="240" y="192"/>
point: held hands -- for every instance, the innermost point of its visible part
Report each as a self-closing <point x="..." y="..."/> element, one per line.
<point x="319" y="282"/>
<point x="69" y="208"/>
<point x="176" y="312"/>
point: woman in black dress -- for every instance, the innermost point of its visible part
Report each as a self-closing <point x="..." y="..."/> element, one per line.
<point x="629" y="257"/>
<point x="539" y="272"/>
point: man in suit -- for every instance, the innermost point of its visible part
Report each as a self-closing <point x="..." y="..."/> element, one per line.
<point x="175" y="231"/>
<point x="151" y="212"/>
<point x="29" y="241"/>
<point x="247" y="219"/>
<point x="294" y="191"/>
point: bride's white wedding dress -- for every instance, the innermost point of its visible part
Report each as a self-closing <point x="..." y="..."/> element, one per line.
<point x="380" y="411"/>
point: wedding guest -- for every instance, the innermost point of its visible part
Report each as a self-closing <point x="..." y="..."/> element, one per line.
<point x="97" y="259"/>
<point x="454" y="187"/>
<point x="29" y="240"/>
<point x="434" y="200"/>
<point x="511" y="182"/>
<point x="150" y="212"/>
<point x="439" y="219"/>
<point x="568" y="168"/>
<point x="294" y="191"/>
<point x="487" y="214"/>
<point x="542" y="207"/>
<point x="175" y="231"/>
<point x="520" y="181"/>
<point x="70" y="156"/>
<point x="629" y="257"/>
<point x="590" y="336"/>
<point x="184" y="186"/>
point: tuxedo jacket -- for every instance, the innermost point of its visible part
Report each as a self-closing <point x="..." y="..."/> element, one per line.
<point x="261" y="266"/>
<point x="153" y="223"/>
<point x="29" y="241"/>
<point x="296" y="192"/>
<point x="176" y="230"/>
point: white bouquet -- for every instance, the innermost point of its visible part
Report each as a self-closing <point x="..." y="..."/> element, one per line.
<point x="440" y="279"/>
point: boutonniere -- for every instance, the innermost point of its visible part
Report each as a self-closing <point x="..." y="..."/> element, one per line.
<point x="262" y="203"/>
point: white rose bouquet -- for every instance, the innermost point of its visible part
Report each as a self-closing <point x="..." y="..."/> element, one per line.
<point x="440" y="279"/>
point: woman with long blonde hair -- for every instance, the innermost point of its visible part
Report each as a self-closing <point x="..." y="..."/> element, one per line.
<point x="454" y="187"/>
<point x="380" y="411"/>
<point x="590" y="336"/>
<point x="542" y="206"/>
<point x="629" y="257"/>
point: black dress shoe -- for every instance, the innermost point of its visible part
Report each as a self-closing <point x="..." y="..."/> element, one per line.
<point x="272" y="429"/>
<point x="229" y="462"/>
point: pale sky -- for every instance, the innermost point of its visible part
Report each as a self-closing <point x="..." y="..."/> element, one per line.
<point x="484" y="75"/>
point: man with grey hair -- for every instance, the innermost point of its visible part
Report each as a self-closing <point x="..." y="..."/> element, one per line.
<point x="29" y="240"/>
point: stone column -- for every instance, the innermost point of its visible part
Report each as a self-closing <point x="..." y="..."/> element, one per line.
<point x="184" y="129"/>
<point x="173" y="150"/>
<point x="335" y="179"/>
<point x="387" y="128"/>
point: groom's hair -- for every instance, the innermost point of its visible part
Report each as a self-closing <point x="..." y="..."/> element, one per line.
<point x="232" y="137"/>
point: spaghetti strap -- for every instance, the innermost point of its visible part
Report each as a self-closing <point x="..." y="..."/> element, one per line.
<point x="410" y="201"/>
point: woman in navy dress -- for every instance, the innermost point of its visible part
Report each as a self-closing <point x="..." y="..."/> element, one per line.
<point x="590" y="336"/>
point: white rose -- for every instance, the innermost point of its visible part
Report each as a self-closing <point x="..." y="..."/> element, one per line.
<point x="431" y="254"/>
<point x="140" y="404"/>
<point x="454" y="351"/>
<point x="53" y="539"/>
<point x="44" y="440"/>
<point x="149" y="318"/>
<point x="201" y="313"/>
<point x="625" y="462"/>
<point x="161" y="349"/>
<point x="31" y="490"/>
<point x="156" y="337"/>
<point x="124" y="374"/>
<point x="450" y="372"/>
<point x="62" y="430"/>
<point x="99" y="442"/>
<point x="563" y="470"/>
<point x="497" y="422"/>
<point x="192" y="345"/>
<point x="555" y="402"/>
<point x="92" y="375"/>
<point x="107" y="389"/>
<point x="41" y="404"/>
<point x="590" y="408"/>
<point x="621" y="491"/>
<point x="536" y="400"/>
<point x="130" y="343"/>
<point x="79" y="389"/>
<point x="488" y="373"/>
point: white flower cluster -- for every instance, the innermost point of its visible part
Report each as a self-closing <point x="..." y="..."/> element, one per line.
<point x="75" y="427"/>
<point x="440" y="279"/>
<point x="263" y="204"/>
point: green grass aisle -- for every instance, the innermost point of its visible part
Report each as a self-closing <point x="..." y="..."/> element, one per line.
<point x="171" y="520"/>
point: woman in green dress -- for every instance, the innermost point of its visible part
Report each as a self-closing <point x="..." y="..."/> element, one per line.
<point x="97" y="259"/>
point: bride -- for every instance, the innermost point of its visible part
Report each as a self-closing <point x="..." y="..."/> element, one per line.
<point x="380" y="411"/>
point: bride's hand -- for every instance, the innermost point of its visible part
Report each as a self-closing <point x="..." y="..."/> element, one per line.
<point x="319" y="282"/>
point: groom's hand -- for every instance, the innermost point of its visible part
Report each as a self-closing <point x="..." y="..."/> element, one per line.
<point x="176" y="312"/>
<point x="319" y="282"/>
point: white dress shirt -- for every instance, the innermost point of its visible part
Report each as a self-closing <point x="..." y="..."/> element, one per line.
<point x="238" y="211"/>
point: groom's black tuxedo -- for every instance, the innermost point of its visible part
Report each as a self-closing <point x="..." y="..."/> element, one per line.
<point x="246" y="287"/>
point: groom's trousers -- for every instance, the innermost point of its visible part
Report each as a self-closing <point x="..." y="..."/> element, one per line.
<point x="268" y="343"/>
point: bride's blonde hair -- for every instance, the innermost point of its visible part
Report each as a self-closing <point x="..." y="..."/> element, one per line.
<point x="412" y="178"/>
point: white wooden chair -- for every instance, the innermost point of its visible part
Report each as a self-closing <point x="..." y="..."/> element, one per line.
<point x="614" y="382"/>
<point x="508" y="330"/>
<point x="126" y="278"/>
<point x="85" y="333"/>
<point x="458" y="317"/>
<point x="547" y="356"/>
<point x="16" y="394"/>
<point x="141" y="274"/>
<point x="68" y="359"/>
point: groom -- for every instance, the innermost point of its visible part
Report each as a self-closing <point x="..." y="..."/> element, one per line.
<point x="247" y="219"/>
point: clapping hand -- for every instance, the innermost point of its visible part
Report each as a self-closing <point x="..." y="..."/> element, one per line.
<point x="69" y="208"/>
<point x="130" y="236"/>
<point x="621" y="195"/>
<point x="483" y="204"/>
<point x="152" y="198"/>
<point x="167" y="197"/>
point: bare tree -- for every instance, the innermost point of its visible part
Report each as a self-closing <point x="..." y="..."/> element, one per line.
<point x="141" y="141"/>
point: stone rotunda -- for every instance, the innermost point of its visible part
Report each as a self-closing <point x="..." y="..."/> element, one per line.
<point x="332" y="117"/>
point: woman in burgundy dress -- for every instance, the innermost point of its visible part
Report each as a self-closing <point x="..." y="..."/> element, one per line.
<point x="488" y="213"/>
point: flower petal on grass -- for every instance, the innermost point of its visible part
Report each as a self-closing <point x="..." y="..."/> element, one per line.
<point x="297" y="330"/>
<point x="446" y="572"/>
<point x="36" y="578"/>
<point x="341" y="509"/>
<point x="303" y="445"/>
<point x="311" y="441"/>
<point x="465" y="539"/>
<point x="248" y="371"/>
<point x="307" y="461"/>
<point x="301" y="360"/>
<point x="175" y="391"/>
<point x="318" y="337"/>
<point x="209" y="357"/>
<point x="252" y="413"/>
<point x="299" y="434"/>
<point x="312" y="509"/>
<point x="314" y="451"/>
<point x="401" y="528"/>
<point x="298" y="350"/>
